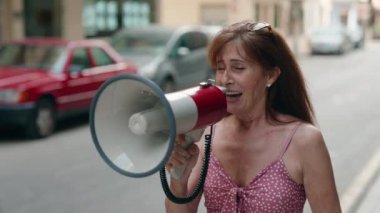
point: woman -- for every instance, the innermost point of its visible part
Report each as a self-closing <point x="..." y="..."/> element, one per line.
<point x="267" y="155"/>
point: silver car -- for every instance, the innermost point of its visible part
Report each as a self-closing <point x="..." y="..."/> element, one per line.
<point x="332" y="39"/>
<point x="173" y="57"/>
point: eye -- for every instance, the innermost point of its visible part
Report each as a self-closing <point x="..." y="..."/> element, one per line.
<point x="220" y="67"/>
<point x="238" y="68"/>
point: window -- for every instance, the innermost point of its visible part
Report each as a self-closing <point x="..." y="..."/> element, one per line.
<point x="44" y="57"/>
<point x="80" y="60"/>
<point x="135" y="13"/>
<point x="193" y="40"/>
<point x="101" y="58"/>
<point x="105" y="17"/>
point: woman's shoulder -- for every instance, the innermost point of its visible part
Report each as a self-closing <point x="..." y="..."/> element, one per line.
<point x="305" y="128"/>
<point x="309" y="142"/>
<point x="308" y="134"/>
<point x="305" y="131"/>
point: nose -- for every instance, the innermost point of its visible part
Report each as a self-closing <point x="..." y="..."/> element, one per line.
<point x="226" y="78"/>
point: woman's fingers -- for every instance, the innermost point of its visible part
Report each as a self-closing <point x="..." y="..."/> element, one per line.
<point x="193" y="149"/>
<point x="181" y="155"/>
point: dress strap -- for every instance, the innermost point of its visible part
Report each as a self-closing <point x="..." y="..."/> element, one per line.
<point x="289" y="138"/>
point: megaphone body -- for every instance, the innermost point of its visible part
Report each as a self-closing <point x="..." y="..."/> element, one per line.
<point x="134" y="124"/>
<point x="192" y="108"/>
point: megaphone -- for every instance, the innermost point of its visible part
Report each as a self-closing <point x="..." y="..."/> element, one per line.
<point x="133" y="123"/>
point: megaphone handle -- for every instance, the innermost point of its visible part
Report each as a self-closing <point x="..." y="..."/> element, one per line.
<point x="190" y="138"/>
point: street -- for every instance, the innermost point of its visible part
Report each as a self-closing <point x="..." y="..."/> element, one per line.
<point x="65" y="174"/>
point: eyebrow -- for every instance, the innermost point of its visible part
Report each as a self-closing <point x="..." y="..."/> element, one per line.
<point x="238" y="60"/>
<point x="233" y="60"/>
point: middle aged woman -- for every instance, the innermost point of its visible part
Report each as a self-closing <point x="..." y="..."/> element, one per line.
<point x="267" y="154"/>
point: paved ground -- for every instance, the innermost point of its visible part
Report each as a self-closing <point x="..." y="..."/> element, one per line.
<point x="368" y="195"/>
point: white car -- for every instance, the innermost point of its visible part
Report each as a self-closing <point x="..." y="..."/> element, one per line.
<point x="332" y="39"/>
<point x="356" y="34"/>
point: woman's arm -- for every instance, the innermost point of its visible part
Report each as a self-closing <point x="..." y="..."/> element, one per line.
<point x="188" y="181"/>
<point x="318" y="177"/>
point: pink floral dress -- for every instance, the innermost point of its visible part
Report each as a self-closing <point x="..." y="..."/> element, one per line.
<point x="272" y="190"/>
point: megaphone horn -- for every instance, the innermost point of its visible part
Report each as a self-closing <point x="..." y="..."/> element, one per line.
<point x="134" y="124"/>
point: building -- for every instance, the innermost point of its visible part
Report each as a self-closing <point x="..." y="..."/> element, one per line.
<point x="73" y="19"/>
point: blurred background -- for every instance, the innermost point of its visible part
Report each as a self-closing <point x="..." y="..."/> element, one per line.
<point x="75" y="19"/>
<point x="335" y="41"/>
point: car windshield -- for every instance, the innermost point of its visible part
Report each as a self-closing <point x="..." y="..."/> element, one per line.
<point x="32" y="56"/>
<point x="141" y="42"/>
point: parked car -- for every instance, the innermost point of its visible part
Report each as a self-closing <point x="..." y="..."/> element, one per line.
<point x="173" y="57"/>
<point x="42" y="80"/>
<point x="356" y="34"/>
<point x="331" y="39"/>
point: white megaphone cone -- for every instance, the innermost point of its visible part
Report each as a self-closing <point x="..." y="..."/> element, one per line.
<point x="134" y="124"/>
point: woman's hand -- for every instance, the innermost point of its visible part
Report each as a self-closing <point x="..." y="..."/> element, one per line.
<point x="183" y="159"/>
<point x="188" y="159"/>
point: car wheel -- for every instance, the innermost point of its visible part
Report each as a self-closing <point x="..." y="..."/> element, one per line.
<point x="42" y="123"/>
<point x="168" y="86"/>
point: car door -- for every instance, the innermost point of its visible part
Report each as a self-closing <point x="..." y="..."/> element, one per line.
<point x="104" y="68"/>
<point x="190" y="59"/>
<point x="78" y="89"/>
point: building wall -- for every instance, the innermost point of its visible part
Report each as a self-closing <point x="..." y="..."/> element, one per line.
<point x="318" y="14"/>
<point x="179" y="12"/>
<point x="191" y="12"/>
<point x="72" y="19"/>
<point x="3" y="24"/>
<point x="275" y="12"/>
<point x="11" y="20"/>
<point x="226" y="11"/>
<point x="174" y="12"/>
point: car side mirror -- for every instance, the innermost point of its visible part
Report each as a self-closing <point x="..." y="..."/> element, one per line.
<point x="75" y="70"/>
<point x="183" y="51"/>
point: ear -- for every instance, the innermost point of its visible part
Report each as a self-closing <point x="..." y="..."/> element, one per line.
<point x="273" y="75"/>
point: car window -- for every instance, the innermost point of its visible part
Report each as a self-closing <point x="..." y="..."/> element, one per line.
<point x="101" y="57"/>
<point x="32" y="56"/>
<point x="80" y="60"/>
<point x="193" y="40"/>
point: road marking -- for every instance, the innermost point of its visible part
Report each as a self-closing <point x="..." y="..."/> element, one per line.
<point x="352" y="196"/>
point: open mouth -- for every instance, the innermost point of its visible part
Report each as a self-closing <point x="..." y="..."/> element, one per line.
<point x="233" y="94"/>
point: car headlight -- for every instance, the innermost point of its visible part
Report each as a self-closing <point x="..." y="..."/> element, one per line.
<point x="12" y="96"/>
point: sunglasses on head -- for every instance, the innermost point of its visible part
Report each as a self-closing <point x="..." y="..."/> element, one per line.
<point x="258" y="26"/>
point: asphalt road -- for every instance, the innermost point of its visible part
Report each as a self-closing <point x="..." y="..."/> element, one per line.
<point x="65" y="174"/>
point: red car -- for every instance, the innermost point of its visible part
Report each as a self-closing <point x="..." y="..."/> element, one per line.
<point x="42" y="80"/>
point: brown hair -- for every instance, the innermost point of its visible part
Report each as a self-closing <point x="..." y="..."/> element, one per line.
<point x="288" y="94"/>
